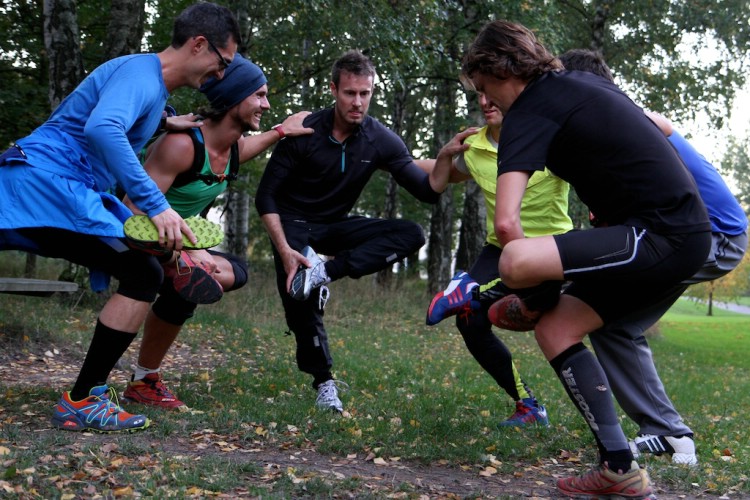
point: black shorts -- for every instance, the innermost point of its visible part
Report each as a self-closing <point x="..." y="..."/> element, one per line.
<point x="620" y="269"/>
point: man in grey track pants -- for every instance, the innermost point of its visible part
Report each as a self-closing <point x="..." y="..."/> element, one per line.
<point x="621" y="346"/>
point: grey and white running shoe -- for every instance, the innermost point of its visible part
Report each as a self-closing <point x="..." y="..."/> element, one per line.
<point x="328" y="395"/>
<point x="309" y="278"/>
<point x="681" y="448"/>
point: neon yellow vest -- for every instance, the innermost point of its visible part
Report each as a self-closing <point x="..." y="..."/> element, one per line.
<point x="544" y="208"/>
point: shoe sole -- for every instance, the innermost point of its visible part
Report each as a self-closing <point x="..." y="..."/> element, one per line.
<point x="432" y="317"/>
<point x="509" y="313"/>
<point x="61" y="426"/>
<point x="301" y="289"/>
<point x="183" y="408"/>
<point x="198" y="287"/>
<point x="140" y="229"/>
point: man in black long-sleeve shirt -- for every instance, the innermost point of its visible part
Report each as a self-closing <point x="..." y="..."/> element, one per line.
<point x="304" y="198"/>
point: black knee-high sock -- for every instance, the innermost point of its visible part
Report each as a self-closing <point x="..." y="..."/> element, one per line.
<point x="588" y="388"/>
<point x="107" y="346"/>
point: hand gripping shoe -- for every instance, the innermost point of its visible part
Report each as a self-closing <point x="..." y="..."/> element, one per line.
<point x="308" y="279"/>
<point x="192" y="281"/>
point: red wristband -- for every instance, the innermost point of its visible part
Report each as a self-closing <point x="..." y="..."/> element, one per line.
<point x="280" y="130"/>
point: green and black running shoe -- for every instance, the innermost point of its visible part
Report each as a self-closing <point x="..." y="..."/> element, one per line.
<point x="142" y="231"/>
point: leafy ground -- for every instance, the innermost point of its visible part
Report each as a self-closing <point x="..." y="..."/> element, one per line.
<point x="420" y="413"/>
<point x="95" y="459"/>
<point x="373" y="475"/>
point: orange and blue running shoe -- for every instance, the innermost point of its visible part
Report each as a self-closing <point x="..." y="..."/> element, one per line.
<point x="601" y="482"/>
<point x="99" y="412"/>
<point x="457" y="298"/>
<point x="528" y="412"/>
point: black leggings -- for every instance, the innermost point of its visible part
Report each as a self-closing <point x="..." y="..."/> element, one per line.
<point x="173" y="309"/>
<point x="139" y="275"/>
<point x="360" y="246"/>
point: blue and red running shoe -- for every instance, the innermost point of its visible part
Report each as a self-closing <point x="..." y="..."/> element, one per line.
<point x="99" y="412"/>
<point x="528" y="412"/>
<point x="456" y="298"/>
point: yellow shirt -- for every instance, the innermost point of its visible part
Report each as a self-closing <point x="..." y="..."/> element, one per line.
<point x="544" y="208"/>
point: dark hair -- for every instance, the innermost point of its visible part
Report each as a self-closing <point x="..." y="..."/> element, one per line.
<point x="215" y="22"/>
<point x="354" y="62"/>
<point x="503" y="49"/>
<point x="590" y="61"/>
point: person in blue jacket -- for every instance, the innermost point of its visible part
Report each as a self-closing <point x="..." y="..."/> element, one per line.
<point x="56" y="186"/>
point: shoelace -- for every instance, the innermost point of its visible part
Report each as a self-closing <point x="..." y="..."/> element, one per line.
<point x="318" y="274"/>
<point x="111" y="401"/>
<point x="159" y="388"/>
<point x="323" y="297"/>
<point x="328" y="389"/>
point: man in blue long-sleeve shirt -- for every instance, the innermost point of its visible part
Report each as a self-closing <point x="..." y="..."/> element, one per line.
<point x="55" y="185"/>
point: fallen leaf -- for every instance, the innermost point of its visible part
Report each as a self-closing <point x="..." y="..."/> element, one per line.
<point x="488" y="471"/>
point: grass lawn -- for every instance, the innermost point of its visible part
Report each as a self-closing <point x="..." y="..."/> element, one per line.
<point x="415" y="395"/>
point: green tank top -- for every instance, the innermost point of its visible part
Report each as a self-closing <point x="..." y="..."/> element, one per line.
<point x="192" y="198"/>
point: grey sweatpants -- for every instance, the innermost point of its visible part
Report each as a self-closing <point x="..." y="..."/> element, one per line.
<point x="624" y="353"/>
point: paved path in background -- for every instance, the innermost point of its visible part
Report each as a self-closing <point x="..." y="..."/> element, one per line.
<point x="730" y="306"/>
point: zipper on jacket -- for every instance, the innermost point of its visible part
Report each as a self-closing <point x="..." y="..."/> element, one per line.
<point x="343" y="152"/>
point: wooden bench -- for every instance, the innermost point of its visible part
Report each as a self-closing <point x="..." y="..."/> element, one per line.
<point x="39" y="288"/>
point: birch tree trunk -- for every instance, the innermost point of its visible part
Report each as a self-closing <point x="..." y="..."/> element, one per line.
<point x="237" y="218"/>
<point x="61" y="41"/>
<point x="384" y="278"/>
<point x="473" y="231"/>
<point x="440" y="242"/>
<point x="237" y="208"/>
<point x="125" y="28"/>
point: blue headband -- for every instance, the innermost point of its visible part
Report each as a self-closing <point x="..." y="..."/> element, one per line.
<point x="241" y="79"/>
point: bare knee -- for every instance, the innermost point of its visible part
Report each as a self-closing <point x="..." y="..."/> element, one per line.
<point x="545" y="338"/>
<point x="511" y="266"/>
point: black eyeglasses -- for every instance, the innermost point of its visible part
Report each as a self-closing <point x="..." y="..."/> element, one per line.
<point x="223" y="63"/>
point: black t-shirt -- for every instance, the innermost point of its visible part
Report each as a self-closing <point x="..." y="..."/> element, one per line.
<point x="588" y="132"/>
<point x="318" y="179"/>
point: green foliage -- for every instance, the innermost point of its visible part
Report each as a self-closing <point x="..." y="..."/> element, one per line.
<point x="657" y="49"/>
<point x="23" y="95"/>
<point x="728" y="288"/>
<point x="415" y="46"/>
<point x="654" y="47"/>
<point x="736" y="162"/>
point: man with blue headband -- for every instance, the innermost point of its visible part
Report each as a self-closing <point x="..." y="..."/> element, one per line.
<point x="192" y="167"/>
